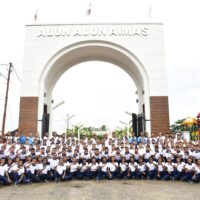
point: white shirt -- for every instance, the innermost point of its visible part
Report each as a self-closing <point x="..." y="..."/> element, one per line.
<point x="123" y="166"/>
<point x="84" y="167"/>
<point x="21" y="171"/>
<point x="27" y="166"/>
<point x="45" y="169"/>
<point x="86" y="156"/>
<point x="12" y="168"/>
<point x="169" y="167"/>
<point x="151" y="166"/>
<point x="3" y="169"/>
<point x="104" y="166"/>
<point x="142" y="167"/>
<point x="197" y="169"/>
<point x="33" y="168"/>
<point x="190" y="167"/>
<point x="60" y="169"/>
<point x="160" y="167"/>
<point x="179" y="166"/>
<point x="39" y="166"/>
<point x="74" y="167"/>
<point x="112" y="166"/>
<point x="132" y="166"/>
<point x="67" y="164"/>
<point x="147" y="155"/>
<point x="93" y="167"/>
<point x="53" y="163"/>
<point x="196" y="155"/>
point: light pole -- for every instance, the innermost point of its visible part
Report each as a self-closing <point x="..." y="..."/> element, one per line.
<point x="67" y="119"/>
<point x="79" y="133"/>
<point x="6" y="99"/>
<point x="58" y="104"/>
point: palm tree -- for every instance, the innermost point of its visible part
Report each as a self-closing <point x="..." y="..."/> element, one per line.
<point x="103" y="128"/>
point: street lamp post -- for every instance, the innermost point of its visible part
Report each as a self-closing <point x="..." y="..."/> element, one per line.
<point x="79" y="133"/>
<point x="67" y="119"/>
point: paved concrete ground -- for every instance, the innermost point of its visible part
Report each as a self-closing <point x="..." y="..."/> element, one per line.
<point x="106" y="190"/>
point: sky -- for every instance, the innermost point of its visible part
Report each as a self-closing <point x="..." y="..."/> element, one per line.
<point x="182" y="47"/>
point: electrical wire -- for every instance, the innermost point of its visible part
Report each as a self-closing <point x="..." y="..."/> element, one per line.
<point x="16" y="73"/>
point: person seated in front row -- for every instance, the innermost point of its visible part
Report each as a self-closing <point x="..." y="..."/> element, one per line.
<point x="93" y="168"/>
<point x="196" y="177"/>
<point x="4" y="177"/>
<point x="112" y="168"/>
<point x="60" y="171"/>
<point x="123" y="168"/>
<point x="151" y="169"/>
<point x="132" y="167"/>
<point x="141" y="170"/>
<point x="84" y="170"/>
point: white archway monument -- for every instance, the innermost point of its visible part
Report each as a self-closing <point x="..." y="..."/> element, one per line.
<point x="51" y="50"/>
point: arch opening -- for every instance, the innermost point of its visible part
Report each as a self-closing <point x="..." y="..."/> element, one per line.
<point x="98" y="93"/>
<point x="92" y="51"/>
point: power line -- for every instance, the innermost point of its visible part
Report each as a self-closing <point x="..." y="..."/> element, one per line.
<point x="4" y="64"/>
<point x="3" y="76"/>
<point x="16" y="73"/>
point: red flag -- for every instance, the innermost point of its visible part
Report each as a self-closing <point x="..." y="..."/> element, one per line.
<point x="36" y="15"/>
<point x="89" y="10"/>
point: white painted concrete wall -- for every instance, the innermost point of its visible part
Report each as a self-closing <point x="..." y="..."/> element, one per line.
<point x="44" y="42"/>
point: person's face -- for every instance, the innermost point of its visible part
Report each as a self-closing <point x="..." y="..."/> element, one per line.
<point x="151" y="160"/>
<point x="168" y="159"/>
<point x="86" y="151"/>
<point x="104" y="159"/>
<point x="198" y="162"/>
<point x="140" y="160"/>
<point x="93" y="160"/>
<point x="45" y="161"/>
<point x="29" y="158"/>
<point x="178" y="160"/>
<point x="20" y="163"/>
<point x="40" y="159"/>
<point x="3" y="161"/>
<point x="84" y="161"/>
<point x="96" y="151"/>
<point x="113" y="159"/>
<point x="189" y="160"/>
<point x="34" y="161"/>
<point x="9" y="161"/>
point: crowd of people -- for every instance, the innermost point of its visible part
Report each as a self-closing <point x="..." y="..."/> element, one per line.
<point x="29" y="159"/>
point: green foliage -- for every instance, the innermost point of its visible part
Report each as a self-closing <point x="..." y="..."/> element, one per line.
<point x="103" y="128"/>
<point x="177" y="126"/>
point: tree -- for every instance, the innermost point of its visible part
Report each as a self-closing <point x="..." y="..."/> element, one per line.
<point x="103" y="128"/>
<point x="177" y="126"/>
